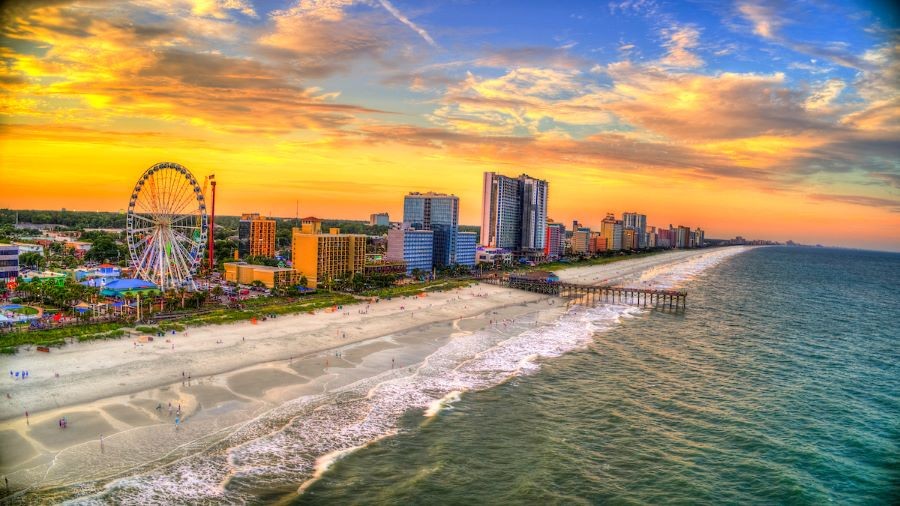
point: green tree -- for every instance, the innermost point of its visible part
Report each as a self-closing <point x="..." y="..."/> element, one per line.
<point x="32" y="260"/>
<point x="104" y="249"/>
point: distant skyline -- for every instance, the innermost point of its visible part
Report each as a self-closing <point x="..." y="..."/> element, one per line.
<point x="766" y="119"/>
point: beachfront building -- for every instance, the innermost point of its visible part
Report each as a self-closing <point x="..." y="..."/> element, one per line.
<point x="415" y="247"/>
<point x="555" y="244"/>
<point x="611" y="230"/>
<point x="665" y="237"/>
<point x="9" y="264"/>
<point x="598" y="243"/>
<point x="439" y="213"/>
<point x="514" y="214"/>
<point x="493" y="256"/>
<point x="379" y="219"/>
<point x="581" y="241"/>
<point x="272" y="277"/>
<point x="638" y="223"/>
<point x="323" y="257"/>
<point x="466" y="243"/>
<point x="683" y="237"/>
<point x="256" y="236"/>
<point x="699" y="238"/>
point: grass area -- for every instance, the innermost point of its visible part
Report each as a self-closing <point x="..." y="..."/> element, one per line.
<point x="258" y="308"/>
<point x="161" y="327"/>
<point x="57" y="337"/>
<point x="438" y="285"/>
<point x="25" y="310"/>
<point x="261" y="307"/>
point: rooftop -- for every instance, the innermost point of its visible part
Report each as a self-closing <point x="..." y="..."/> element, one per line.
<point x="130" y="284"/>
<point x="258" y="267"/>
<point x="430" y="194"/>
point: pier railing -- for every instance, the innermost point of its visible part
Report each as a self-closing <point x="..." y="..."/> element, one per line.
<point x="675" y="300"/>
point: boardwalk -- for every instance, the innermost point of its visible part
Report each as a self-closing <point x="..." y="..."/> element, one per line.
<point x="675" y="300"/>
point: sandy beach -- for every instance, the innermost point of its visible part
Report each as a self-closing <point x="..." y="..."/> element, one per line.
<point x="215" y="379"/>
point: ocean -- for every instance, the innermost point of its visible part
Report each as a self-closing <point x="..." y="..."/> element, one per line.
<point x="780" y="384"/>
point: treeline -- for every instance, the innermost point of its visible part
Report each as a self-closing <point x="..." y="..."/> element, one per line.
<point x="227" y="224"/>
<point x="69" y="219"/>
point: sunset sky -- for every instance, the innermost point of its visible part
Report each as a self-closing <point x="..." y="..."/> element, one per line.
<point x="775" y="120"/>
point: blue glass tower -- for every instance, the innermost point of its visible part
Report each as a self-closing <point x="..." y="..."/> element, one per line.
<point x="439" y="213"/>
<point x="465" y="248"/>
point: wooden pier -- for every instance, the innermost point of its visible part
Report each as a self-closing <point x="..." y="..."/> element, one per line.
<point x="673" y="300"/>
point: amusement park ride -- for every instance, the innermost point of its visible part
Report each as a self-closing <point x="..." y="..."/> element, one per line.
<point x="167" y="226"/>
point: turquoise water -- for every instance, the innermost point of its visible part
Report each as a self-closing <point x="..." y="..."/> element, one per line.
<point x="779" y="385"/>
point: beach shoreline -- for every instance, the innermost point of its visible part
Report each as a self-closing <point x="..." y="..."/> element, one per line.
<point x="239" y="372"/>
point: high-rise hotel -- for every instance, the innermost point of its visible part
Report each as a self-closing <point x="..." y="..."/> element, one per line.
<point x="439" y="213"/>
<point x="514" y="213"/>
<point x="256" y="236"/>
<point x="324" y="257"/>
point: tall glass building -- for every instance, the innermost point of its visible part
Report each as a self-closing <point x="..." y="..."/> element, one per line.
<point x="439" y="213"/>
<point x="465" y="248"/>
<point x="638" y="223"/>
<point x="415" y="247"/>
<point x="514" y="213"/>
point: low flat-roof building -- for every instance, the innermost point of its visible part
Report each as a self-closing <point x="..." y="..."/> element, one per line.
<point x="129" y="287"/>
<point x="273" y="277"/>
<point x="25" y="247"/>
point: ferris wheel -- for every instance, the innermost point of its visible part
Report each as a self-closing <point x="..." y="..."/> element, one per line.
<point x="167" y="226"/>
